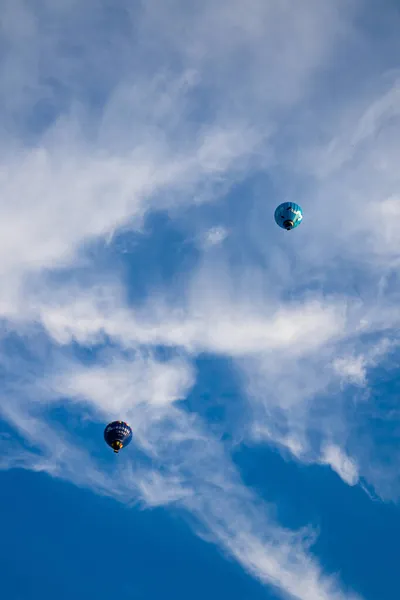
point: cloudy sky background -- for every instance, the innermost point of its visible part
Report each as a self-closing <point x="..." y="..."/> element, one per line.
<point x="143" y="150"/>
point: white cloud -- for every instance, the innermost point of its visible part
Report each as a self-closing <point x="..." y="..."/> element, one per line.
<point x="57" y="201"/>
<point x="351" y="368"/>
<point x="119" y="386"/>
<point x="209" y="318"/>
<point x="191" y="470"/>
<point x="157" y="490"/>
<point x="354" y="191"/>
<point x="344" y="466"/>
<point x="126" y="138"/>
<point x="214" y="236"/>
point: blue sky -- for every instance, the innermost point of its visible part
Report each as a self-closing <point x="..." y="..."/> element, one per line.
<point x="143" y="150"/>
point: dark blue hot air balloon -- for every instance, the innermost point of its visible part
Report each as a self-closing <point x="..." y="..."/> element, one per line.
<point x="288" y="215"/>
<point x="117" y="435"/>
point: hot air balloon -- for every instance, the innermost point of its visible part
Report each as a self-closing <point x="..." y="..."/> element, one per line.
<point x="288" y="215"/>
<point x="117" y="435"/>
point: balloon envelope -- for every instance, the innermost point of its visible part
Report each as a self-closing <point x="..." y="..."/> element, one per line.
<point x="117" y="435"/>
<point x="288" y="215"/>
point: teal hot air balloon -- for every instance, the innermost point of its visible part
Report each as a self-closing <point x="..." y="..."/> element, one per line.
<point x="288" y="215"/>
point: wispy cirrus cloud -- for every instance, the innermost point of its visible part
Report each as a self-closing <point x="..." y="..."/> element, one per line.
<point x="166" y="108"/>
<point x="190" y="469"/>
